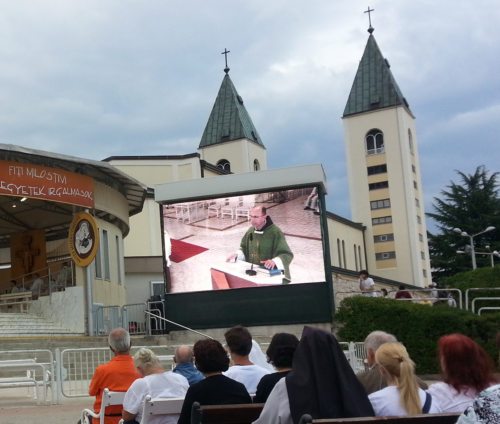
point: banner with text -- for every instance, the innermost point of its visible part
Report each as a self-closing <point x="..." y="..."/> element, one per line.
<point x="41" y="182"/>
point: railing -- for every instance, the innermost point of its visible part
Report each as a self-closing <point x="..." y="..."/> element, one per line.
<point x="488" y="308"/>
<point x="75" y="367"/>
<point x="355" y="353"/>
<point x="476" y="289"/>
<point x="473" y="303"/>
<point x="43" y="359"/>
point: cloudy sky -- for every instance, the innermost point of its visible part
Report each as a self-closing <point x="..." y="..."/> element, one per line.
<point x="99" y="78"/>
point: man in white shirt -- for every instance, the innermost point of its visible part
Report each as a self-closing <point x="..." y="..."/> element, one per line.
<point x="239" y="343"/>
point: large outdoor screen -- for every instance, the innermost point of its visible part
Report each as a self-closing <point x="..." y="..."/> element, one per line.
<point x="202" y="238"/>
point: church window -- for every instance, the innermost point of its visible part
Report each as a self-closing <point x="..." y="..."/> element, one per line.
<point x="256" y="165"/>
<point x="380" y="204"/>
<point x="379" y="185"/>
<point x="382" y="256"/>
<point x="224" y="164"/>
<point x="343" y="254"/>
<point x="410" y="142"/>
<point x="374" y="140"/>
<point x="382" y="220"/>
<point x="377" y="169"/>
<point x="383" y="237"/>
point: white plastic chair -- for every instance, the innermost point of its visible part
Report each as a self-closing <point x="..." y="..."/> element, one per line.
<point x="160" y="406"/>
<point x="108" y="399"/>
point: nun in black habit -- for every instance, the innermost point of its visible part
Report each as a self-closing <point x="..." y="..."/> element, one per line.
<point x="321" y="384"/>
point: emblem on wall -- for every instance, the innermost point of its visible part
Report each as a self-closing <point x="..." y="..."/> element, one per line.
<point x="83" y="239"/>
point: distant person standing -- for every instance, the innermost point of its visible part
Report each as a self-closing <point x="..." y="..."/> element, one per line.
<point x="366" y="284"/>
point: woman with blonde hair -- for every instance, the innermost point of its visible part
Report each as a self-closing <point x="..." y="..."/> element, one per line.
<point x="156" y="383"/>
<point x="402" y="396"/>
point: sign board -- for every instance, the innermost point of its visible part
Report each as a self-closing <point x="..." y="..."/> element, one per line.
<point x="42" y="182"/>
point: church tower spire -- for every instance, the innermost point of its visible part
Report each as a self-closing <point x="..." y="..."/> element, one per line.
<point x="384" y="172"/>
<point x="230" y="139"/>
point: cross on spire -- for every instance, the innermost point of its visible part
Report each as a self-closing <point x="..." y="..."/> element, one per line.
<point x="225" y="52"/>
<point x="370" y="28"/>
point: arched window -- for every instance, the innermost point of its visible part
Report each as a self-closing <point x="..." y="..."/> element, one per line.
<point x="374" y="140"/>
<point x="224" y="165"/>
<point x="256" y="165"/>
<point x="410" y="141"/>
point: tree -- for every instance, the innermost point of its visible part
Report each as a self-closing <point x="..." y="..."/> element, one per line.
<point x="471" y="205"/>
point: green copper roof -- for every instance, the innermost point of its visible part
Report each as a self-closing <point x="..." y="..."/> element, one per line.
<point x="374" y="86"/>
<point x="229" y="120"/>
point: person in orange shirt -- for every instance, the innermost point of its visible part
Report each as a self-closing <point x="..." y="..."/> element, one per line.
<point x="117" y="375"/>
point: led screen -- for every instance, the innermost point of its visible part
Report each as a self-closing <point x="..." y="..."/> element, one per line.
<point x="201" y="238"/>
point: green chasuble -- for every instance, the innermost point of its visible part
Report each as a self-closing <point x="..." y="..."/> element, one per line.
<point x="267" y="243"/>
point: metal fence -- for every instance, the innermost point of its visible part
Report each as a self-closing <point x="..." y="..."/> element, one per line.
<point x="75" y="367"/>
<point x="131" y="317"/>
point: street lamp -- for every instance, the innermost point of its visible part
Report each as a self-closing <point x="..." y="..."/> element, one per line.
<point x="471" y="238"/>
<point x="490" y="254"/>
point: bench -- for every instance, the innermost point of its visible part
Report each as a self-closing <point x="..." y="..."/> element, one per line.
<point x="244" y="413"/>
<point x="447" y="418"/>
<point x="23" y="299"/>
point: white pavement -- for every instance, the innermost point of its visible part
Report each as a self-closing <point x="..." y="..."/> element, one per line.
<point x="17" y="406"/>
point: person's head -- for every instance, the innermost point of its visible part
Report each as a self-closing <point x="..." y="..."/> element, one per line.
<point x="281" y="349"/>
<point x="398" y="368"/>
<point x="384" y="292"/>
<point x="258" y="217"/>
<point x="210" y="356"/>
<point x="402" y="287"/>
<point x="363" y="274"/>
<point x="146" y="362"/>
<point x="238" y="340"/>
<point x="13" y="282"/>
<point x="183" y="355"/>
<point x="373" y="341"/>
<point x="464" y="364"/>
<point x="119" y="341"/>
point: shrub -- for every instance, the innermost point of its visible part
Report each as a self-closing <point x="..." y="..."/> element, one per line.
<point x="417" y="326"/>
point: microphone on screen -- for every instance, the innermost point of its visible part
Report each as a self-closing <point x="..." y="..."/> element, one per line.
<point x="250" y="271"/>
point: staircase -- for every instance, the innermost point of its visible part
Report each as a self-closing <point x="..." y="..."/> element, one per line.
<point x="27" y="325"/>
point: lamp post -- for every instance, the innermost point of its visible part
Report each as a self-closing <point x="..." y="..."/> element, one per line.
<point x="490" y="254"/>
<point x="471" y="238"/>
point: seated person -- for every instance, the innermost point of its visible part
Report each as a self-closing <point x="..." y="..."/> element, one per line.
<point x="485" y="409"/>
<point x="156" y="383"/>
<point x="216" y="389"/>
<point x="239" y="343"/>
<point x="466" y="369"/>
<point x="280" y="353"/>
<point x="402" y="293"/>
<point x="14" y="287"/>
<point x="372" y="379"/>
<point x="117" y="375"/>
<point x="183" y="359"/>
<point x="321" y="384"/>
<point x="402" y="396"/>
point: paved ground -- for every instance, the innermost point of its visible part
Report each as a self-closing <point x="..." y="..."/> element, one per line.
<point x="17" y="406"/>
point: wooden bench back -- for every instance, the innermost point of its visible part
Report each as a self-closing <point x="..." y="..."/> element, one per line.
<point x="448" y="418"/>
<point x="225" y="414"/>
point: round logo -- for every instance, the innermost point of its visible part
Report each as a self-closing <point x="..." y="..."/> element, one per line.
<point x="83" y="238"/>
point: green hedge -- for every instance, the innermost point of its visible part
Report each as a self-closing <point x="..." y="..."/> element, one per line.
<point x="417" y="326"/>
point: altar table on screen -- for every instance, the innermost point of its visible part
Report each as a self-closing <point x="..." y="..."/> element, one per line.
<point x="231" y="275"/>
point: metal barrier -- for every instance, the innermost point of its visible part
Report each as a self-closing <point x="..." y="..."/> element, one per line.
<point x="134" y="318"/>
<point x="75" y="367"/>
<point x="106" y="318"/>
<point x="473" y="303"/>
<point x="476" y="289"/>
<point x="355" y="354"/>
<point x="488" y="308"/>
<point x="43" y="359"/>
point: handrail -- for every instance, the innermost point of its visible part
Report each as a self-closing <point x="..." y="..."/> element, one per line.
<point x="476" y="289"/>
<point x="481" y="298"/>
<point x="179" y="325"/>
<point x="488" y="308"/>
